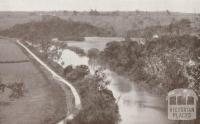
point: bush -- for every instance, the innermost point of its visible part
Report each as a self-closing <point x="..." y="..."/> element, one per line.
<point x="2" y="86"/>
<point x="78" y="73"/>
<point x="93" y="53"/>
<point x="68" y="69"/>
<point x="77" y="50"/>
<point x="98" y="102"/>
<point x="159" y="63"/>
<point x="17" y="89"/>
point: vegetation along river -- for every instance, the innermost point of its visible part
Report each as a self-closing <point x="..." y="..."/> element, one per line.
<point x="135" y="106"/>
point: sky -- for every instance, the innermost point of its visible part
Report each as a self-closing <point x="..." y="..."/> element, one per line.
<point x="188" y="6"/>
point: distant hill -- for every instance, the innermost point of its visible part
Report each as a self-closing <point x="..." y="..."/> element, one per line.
<point x="53" y="27"/>
<point x="117" y="22"/>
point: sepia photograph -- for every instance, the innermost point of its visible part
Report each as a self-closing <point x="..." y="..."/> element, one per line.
<point x="99" y="62"/>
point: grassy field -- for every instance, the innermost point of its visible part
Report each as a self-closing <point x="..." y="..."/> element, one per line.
<point x="10" y="52"/>
<point x="44" y="100"/>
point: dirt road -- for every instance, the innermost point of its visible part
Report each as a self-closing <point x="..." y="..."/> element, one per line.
<point x="77" y="101"/>
<point x="44" y="100"/>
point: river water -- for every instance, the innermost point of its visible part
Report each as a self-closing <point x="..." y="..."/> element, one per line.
<point x="94" y="42"/>
<point x="135" y="106"/>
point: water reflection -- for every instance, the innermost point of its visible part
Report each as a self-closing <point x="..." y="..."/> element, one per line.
<point x="94" y="42"/>
<point x="135" y="106"/>
<point x="69" y="57"/>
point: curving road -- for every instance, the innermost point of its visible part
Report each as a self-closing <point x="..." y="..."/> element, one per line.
<point x="44" y="99"/>
<point x="57" y="77"/>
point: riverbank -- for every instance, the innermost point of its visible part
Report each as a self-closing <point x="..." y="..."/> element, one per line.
<point x="159" y="66"/>
<point x="75" y="105"/>
<point x="144" y="74"/>
<point x="129" y="98"/>
<point x="91" y="99"/>
<point x="156" y="67"/>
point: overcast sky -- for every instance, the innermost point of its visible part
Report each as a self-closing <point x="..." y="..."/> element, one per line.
<point x="106" y="5"/>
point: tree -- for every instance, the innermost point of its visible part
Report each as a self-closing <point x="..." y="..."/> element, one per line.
<point x="195" y="73"/>
<point x="78" y="73"/>
<point x="148" y="35"/>
<point x="45" y="45"/>
<point x="17" y="89"/>
<point x="182" y="26"/>
<point x="115" y="13"/>
<point x="175" y="76"/>
<point x="185" y="23"/>
<point x="168" y="12"/>
<point x="68" y="69"/>
<point x="75" y="12"/>
<point x="137" y="11"/>
<point x="100" y="78"/>
<point x="94" y="12"/>
<point x="2" y="86"/>
<point x="99" y="106"/>
<point x="93" y="53"/>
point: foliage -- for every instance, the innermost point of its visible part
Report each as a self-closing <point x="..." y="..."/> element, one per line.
<point x="2" y="86"/>
<point x="55" y="48"/>
<point x="160" y="63"/>
<point x="94" y="12"/>
<point x="98" y="102"/>
<point x="180" y="27"/>
<point x="77" y="73"/>
<point x="77" y="50"/>
<point x="120" y="21"/>
<point x="100" y="78"/>
<point x="93" y="53"/>
<point x="194" y="71"/>
<point x="121" y="54"/>
<point x="68" y="69"/>
<point x="52" y="27"/>
<point x="17" y="89"/>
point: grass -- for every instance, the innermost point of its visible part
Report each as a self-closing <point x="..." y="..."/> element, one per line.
<point x="10" y="52"/>
<point x="44" y="100"/>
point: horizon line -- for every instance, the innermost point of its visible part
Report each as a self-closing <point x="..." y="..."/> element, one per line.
<point x="62" y="10"/>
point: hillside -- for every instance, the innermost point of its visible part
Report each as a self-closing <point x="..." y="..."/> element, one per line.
<point x="112" y="21"/>
<point x="53" y="27"/>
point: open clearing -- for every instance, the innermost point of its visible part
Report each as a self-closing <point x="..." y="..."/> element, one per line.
<point x="10" y="52"/>
<point x="44" y="101"/>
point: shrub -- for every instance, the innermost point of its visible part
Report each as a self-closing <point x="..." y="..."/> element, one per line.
<point x="17" y="89"/>
<point x="98" y="102"/>
<point x="78" y="73"/>
<point x="93" y="53"/>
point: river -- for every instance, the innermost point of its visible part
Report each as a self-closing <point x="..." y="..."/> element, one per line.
<point x="94" y="42"/>
<point x="135" y="106"/>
